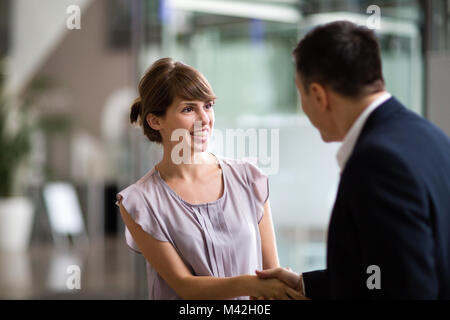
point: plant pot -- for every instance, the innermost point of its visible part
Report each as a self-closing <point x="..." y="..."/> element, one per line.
<point x="16" y="222"/>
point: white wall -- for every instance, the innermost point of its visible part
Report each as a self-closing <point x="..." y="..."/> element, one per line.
<point x="37" y="28"/>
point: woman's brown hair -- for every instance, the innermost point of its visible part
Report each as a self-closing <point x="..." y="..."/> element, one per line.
<point x="164" y="81"/>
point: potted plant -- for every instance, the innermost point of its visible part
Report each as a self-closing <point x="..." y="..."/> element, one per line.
<point x="16" y="210"/>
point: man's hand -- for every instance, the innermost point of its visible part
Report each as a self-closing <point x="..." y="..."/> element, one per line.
<point x="287" y="276"/>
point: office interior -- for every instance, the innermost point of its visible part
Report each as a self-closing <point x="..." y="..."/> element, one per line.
<point x="71" y="85"/>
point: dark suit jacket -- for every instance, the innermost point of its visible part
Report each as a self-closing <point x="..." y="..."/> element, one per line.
<point x="392" y="210"/>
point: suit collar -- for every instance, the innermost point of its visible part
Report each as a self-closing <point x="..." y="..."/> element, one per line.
<point x="377" y="118"/>
<point x="352" y="135"/>
<point x="384" y="111"/>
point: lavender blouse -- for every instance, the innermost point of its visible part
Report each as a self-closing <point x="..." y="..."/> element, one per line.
<point x="219" y="238"/>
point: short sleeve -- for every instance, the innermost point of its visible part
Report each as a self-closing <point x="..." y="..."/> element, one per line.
<point x="259" y="185"/>
<point x="137" y="206"/>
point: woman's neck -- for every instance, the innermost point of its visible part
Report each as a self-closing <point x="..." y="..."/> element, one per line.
<point x="189" y="169"/>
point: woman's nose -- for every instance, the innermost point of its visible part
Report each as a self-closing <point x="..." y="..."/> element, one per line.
<point x="204" y="117"/>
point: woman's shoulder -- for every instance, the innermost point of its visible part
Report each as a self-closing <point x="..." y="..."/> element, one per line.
<point x="243" y="167"/>
<point x="248" y="174"/>
<point x="241" y="163"/>
<point x="143" y="185"/>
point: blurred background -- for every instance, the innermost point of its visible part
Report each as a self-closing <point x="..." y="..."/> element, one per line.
<point x="69" y="72"/>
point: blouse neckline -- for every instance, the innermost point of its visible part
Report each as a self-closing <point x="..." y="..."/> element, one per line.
<point x="176" y="195"/>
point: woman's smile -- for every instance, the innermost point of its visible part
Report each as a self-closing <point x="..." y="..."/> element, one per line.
<point x="201" y="135"/>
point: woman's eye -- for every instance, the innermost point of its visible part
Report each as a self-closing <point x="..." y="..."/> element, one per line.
<point x="208" y="105"/>
<point x="187" y="109"/>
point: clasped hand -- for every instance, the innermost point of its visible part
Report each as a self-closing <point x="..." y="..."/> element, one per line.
<point x="279" y="284"/>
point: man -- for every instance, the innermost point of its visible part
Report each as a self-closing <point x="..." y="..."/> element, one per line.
<point x="389" y="233"/>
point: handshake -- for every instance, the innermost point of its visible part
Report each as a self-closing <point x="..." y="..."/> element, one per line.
<point x="280" y="284"/>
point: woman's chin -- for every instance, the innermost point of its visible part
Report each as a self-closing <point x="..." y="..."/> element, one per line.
<point x="200" y="144"/>
<point x="200" y="147"/>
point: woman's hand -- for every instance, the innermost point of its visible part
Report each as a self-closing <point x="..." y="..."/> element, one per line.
<point x="287" y="276"/>
<point x="274" y="289"/>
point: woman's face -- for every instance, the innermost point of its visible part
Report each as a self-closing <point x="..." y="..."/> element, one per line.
<point x="192" y="120"/>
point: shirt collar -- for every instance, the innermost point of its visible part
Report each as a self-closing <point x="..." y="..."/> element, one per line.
<point x="352" y="135"/>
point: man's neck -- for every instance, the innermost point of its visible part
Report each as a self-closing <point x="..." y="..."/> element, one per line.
<point x="355" y="108"/>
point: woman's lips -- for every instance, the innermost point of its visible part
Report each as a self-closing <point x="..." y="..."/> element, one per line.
<point x="200" y="135"/>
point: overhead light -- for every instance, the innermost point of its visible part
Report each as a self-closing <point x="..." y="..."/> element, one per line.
<point x="280" y="13"/>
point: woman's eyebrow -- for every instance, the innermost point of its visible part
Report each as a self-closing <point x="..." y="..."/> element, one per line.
<point x="188" y="103"/>
<point x="193" y="104"/>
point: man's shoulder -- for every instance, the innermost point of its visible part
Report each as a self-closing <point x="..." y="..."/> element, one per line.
<point x="392" y="121"/>
<point x="402" y="142"/>
<point x="396" y="131"/>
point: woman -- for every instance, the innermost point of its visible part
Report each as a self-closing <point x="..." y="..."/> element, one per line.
<point x="202" y="223"/>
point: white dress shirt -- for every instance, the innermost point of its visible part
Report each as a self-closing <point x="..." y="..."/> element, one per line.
<point x="352" y="135"/>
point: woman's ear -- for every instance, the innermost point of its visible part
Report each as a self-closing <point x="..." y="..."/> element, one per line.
<point x="153" y="121"/>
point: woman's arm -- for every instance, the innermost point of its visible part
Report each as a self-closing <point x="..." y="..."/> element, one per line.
<point x="166" y="261"/>
<point x="268" y="241"/>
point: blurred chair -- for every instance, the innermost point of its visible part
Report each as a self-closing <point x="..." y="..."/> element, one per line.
<point x="65" y="216"/>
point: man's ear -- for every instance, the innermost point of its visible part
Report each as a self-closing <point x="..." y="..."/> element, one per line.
<point x="319" y="95"/>
<point x="153" y="121"/>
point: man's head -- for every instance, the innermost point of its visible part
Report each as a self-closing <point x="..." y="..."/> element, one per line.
<point x="338" y="67"/>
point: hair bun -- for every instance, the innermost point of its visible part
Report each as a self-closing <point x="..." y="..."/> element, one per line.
<point x="136" y="108"/>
